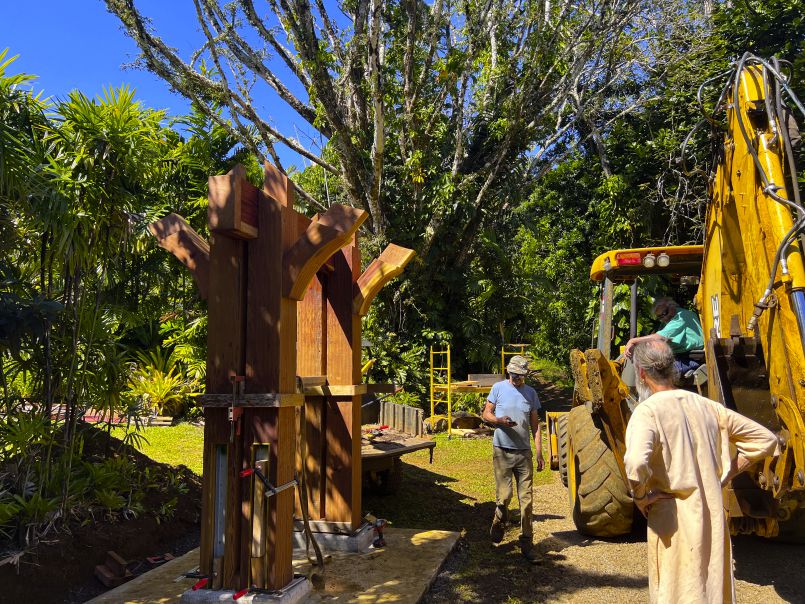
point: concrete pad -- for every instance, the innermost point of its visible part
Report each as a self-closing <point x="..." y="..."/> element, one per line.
<point x="401" y="572"/>
<point x="360" y="541"/>
<point x="294" y="593"/>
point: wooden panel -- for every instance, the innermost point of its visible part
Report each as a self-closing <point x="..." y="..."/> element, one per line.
<point x="179" y="238"/>
<point x="311" y="364"/>
<point x="225" y="358"/>
<point x="343" y="489"/>
<point x="379" y="272"/>
<point x="278" y="186"/>
<point x="262" y="321"/>
<point x="233" y="202"/>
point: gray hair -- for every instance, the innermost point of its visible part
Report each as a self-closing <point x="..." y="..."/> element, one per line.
<point x="657" y="360"/>
<point x="669" y="303"/>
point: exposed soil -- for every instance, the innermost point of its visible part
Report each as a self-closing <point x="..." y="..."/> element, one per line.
<point x="61" y="569"/>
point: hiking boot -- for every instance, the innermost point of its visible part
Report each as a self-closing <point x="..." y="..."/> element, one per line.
<point x="496" y="532"/>
<point x="531" y="554"/>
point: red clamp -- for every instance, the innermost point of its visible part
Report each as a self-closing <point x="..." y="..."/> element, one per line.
<point x="238" y="595"/>
<point x="202" y="582"/>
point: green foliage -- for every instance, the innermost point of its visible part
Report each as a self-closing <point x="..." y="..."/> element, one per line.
<point x="156" y="382"/>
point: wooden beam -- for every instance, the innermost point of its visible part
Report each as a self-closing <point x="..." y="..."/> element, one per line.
<point x="271" y="400"/>
<point x="379" y="272"/>
<point x="335" y="390"/>
<point x="333" y="230"/>
<point x="232" y="207"/>
<point x="278" y="186"/>
<point x="175" y="235"/>
<point x="310" y="381"/>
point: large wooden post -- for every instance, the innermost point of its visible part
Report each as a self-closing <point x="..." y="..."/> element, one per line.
<point x="333" y="460"/>
<point x="261" y="263"/>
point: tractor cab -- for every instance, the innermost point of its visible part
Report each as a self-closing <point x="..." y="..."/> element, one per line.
<point x="649" y="273"/>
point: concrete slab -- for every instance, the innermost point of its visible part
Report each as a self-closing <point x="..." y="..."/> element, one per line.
<point x="401" y="572"/>
<point x="295" y="593"/>
<point x="360" y="541"/>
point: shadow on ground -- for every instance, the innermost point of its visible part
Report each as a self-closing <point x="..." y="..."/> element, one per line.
<point x="766" y="562"/>
<point x="477" y="570"/>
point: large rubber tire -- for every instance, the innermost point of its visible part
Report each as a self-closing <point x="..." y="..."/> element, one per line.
<point x="561" y="441"/>
<point x="602" y="506"/>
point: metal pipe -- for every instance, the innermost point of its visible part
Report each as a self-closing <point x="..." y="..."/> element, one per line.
<point x="633" y="311"/>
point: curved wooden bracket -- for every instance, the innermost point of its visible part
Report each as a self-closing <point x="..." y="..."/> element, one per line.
<point x="379" y="272"/>
<point x="324" y="237"/>
<point x="175" y="235"/>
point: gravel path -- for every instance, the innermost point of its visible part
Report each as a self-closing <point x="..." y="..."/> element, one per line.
<point x="580" y="569"/>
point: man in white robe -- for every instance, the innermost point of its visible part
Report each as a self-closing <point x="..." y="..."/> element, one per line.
<point x="677" y="459"/>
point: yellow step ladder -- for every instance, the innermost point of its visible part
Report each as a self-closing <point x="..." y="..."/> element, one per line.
<point x="509" y="350"/>
<point x="440" y="387"/>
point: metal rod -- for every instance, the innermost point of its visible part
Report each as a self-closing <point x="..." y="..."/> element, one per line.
<point x="633" y="311"/>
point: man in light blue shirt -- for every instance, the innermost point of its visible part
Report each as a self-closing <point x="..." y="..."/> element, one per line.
<point x="512" y="407"/>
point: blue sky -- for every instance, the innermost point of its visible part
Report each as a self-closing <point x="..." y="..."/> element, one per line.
<point x="77" y="44"/>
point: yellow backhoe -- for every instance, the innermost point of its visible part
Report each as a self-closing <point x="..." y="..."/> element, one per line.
<point x="751" y="301"/>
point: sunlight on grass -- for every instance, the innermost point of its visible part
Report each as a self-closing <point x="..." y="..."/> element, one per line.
<point x="175" y="445"/>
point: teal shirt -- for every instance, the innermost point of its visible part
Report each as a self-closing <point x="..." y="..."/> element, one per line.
<point x="684" y="332"/>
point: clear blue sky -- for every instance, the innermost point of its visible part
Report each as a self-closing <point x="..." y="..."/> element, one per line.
<point x="77" y="44"/>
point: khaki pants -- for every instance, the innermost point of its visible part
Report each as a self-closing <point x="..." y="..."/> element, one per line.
<point x="520" y="465"/>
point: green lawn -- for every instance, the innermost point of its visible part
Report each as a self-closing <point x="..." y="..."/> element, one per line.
<point x="175" y="445"/>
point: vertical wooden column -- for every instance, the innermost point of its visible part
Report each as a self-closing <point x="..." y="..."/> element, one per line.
<point x="225" y="358"/>
<point x="343" y="413"/>
<point x="311" y="360"/>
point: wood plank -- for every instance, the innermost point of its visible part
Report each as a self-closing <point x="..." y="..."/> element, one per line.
<point x="225" y="358"/>
<point x="180" y="239"/>
<point x="271" y="368"/>
<point x="232" y="208"/>
<point x="336" y="390"/>
<point x="311" y="362"/>
<point x="343" y="502"/>
<point x="278" y="186"/>
<point x="266" y="399"/>
<point x="308" y="381"/>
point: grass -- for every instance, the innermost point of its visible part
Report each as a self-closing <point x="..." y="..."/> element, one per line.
<point x="182" y="444"/>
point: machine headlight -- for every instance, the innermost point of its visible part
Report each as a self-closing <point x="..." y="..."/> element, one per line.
<point x="663" y="260"/>
<point x="649" y="261"/>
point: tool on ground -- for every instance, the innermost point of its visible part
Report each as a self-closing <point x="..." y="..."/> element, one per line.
<point x="201" y="583"/>
<point x="378" y="524"/>
<point x="157" y="560"/>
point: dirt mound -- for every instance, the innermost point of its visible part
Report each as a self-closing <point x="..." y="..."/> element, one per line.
<point x="61" y="569"/>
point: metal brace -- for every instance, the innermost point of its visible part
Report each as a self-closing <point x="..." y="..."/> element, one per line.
<point x="238" y="387"/>
<point x="271" y="490"/>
